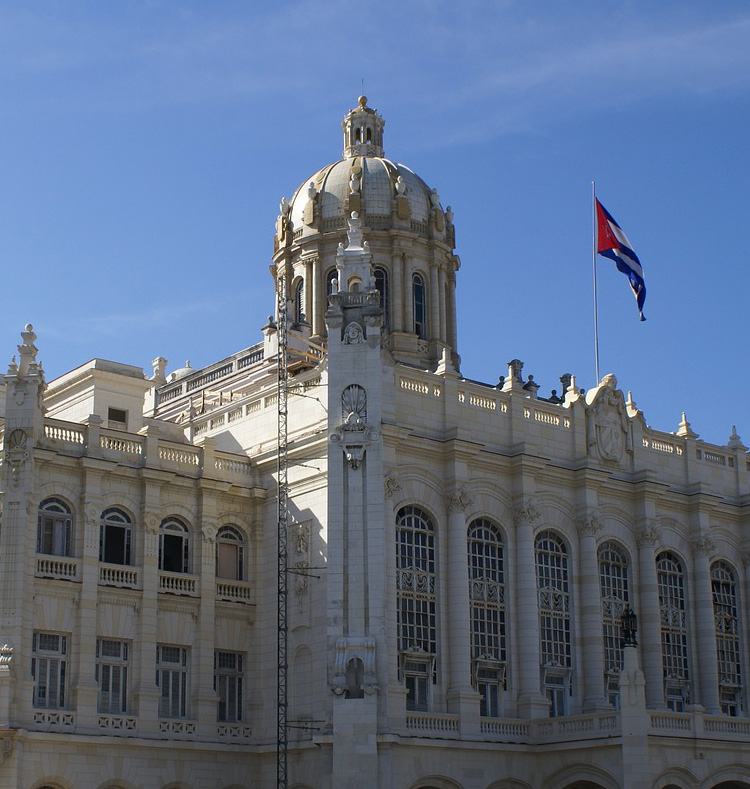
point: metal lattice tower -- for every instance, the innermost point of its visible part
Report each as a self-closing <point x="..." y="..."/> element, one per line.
<point x="283" y="535"/>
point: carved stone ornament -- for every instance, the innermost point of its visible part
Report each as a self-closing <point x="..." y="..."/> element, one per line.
<point x="151" y="522"/>
<point x="16" y="453"/>
<point x="354" y="436"/>
<point x="457" y="502"/>
<point x="354" y="401"/>
<point x="6" y="656"/>
<point x="391" y="487"/>
<point x="703" y="546"/>
<point x="647" y="536"/>
<point x="589" y="526"/>
<point x="608" y="422"/>
<point x="208" y="533"/>
<point x="527" y="513"/>
<point x="353" y="334"/>
<point x="354" y="667"/>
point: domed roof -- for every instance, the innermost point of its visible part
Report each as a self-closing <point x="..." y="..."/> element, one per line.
<point x="384" y="193"/>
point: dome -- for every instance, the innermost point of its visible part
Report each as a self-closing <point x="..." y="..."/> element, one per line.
<point x="398" y="225"/>
<point x="385" y="194"/>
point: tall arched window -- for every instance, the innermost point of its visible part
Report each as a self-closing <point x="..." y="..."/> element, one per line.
<point x="381" y="283"/>
<point x="54" y="534"/>
<point x="299" y="301"/>
<point x="419" y="298"/>
<point x="726" y="623"/>
<point x="230" y="554"/>
<point x="615" y="594"/>
<point x="674" y="646"/>
<point x="554" y="620"/>
<point x="115" y="537"/>
<point x="174" y="546"/>
<point x="415" y="595"/>
<point x="487" y="601"/>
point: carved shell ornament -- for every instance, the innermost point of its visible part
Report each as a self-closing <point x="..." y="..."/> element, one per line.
<point x="354" y="401"/>
<point x="17" y="440"/>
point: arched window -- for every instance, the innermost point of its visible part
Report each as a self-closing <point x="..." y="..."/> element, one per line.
<point x="174" y="546"/>
<point x="726" y="622"/>
<point x="615" y="594"/>
<point x="487" y="601"/>
<point x="416" y="613"/>
<point x="674" y="646"/>
<point x="54" y="534"/>
<point x="419" y="297"/>
<point x="230" y="554"/>
<point x="115" y="537"/>
<point x="554" y="620"/>
<point x="299" y="301"/>
<point x="381" y="283"/>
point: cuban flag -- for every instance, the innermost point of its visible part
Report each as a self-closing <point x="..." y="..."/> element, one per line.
<point x="613" y="243"/>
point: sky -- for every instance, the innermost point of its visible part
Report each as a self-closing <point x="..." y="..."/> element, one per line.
<point x="145" y="145"/>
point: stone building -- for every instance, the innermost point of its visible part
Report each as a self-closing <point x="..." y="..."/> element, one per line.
<point x="460" y="554"/>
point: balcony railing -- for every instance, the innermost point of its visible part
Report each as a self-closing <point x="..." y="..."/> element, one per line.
<point x="59" y="567"/>
<point x="178" y="583"/>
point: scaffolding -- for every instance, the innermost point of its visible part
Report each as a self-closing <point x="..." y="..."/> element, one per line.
<point x="282" y="778"/>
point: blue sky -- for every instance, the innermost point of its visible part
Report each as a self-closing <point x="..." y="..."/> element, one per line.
<point x="144" y="147"/>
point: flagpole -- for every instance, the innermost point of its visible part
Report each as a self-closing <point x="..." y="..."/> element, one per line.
<point x="593" y="266"/>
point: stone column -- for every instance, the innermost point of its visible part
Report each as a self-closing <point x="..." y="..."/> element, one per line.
<point x="408" y="291"/>
<point x="395" y="699"/>
<point x="205" y="696"/>
<point x="145" y="692"/>
<point x="531" y="703"/>
<point x="83" y="679"/>
<point x="398" y="294"/>
<point x="451" y="311"/>
<point x="649" y="616"/>
<point x="434" y="332"/>
<point x="461" y="697"/>
<point x="318" y="298"/>
<point x="636" y="769"/>
<point x="307" y="292"/>
<point x="591" y="617"/>
<point x="705" y="629"/>
<point x="443" y="332"/>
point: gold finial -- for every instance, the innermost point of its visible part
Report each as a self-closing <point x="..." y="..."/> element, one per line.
<point x="362" y="102"/>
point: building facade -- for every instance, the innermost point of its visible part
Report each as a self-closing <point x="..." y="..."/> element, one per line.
<point x="460" y="555"/>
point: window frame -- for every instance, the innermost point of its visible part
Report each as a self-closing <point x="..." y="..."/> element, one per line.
<point x="52" y="663"/>
<point x="674" y="636"/>
<point x="613" y="564"/>
<point x="229" y="686"/>
<point x="54" y="536"/>
<point x="114" y="518"/>
<point x="229" y="536"/>
<point x="419" y="305"/>
<point x="115" y="669"/>
<point x="173" y="528"/>
<point x="172" y="681"/>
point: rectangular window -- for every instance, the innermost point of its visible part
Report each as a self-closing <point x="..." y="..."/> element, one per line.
<point x="111" y="675"/>
<point x="417" y="680"/>
<point x="48" y="669"/>
<point x="557" y="689"/>
<point x="228" y="677"/>
<point x="117" y="419"/>
<point x="171" y="679"/>
<point x="490" y="680"/>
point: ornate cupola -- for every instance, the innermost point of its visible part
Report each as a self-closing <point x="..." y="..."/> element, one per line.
<point x="363" y="131"/>
<point x="411" y="245"/>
